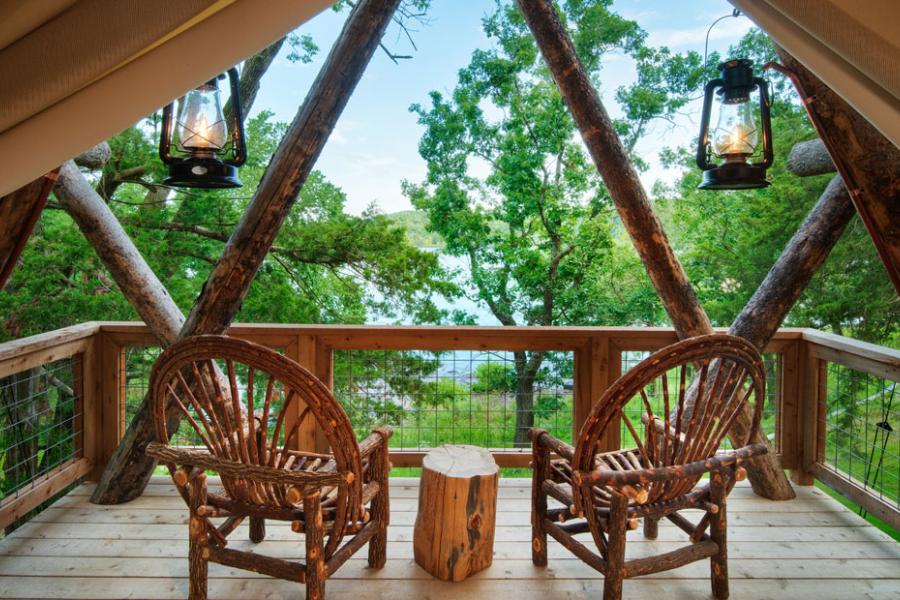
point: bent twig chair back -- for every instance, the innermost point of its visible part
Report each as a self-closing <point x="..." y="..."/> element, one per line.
<point x="689" y="396"/>
<point x="245" y="407"/>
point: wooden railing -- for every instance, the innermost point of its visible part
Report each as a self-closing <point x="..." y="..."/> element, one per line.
<point x="799" y="402"/>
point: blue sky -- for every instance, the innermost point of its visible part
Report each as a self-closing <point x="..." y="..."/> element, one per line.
<point x="375" y="144"/>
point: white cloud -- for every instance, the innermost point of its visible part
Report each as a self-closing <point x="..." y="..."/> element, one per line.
<point x="730" y="29"/>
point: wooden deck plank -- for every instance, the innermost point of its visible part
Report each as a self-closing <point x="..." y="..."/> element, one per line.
<point x="403" y="518"/>
<point x="407" y="569"/>
<point x="266" y="589"/>
<point x="811" y="547"/>
<point x="503" y="549"/>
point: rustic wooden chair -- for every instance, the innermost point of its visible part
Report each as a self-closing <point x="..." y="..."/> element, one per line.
<point x="213" y="383"/>
<point x="604" y="493"/>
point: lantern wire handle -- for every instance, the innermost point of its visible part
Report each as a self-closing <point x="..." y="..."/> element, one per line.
<point x="734" y="13"/>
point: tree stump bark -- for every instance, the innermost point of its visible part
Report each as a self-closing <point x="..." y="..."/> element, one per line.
<point x="454" y="531"/>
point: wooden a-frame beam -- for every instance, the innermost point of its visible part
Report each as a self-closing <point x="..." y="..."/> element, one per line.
<point x="625" y="189"/>
<point x="868" y="162"/>
<point x="129" y="468"/>
<point x="19" y="212"/>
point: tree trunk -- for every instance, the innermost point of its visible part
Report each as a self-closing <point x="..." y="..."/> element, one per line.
<point x="251" y="75"/>
<point x="619" y="175"/>
<point x="454" y="531"/>
<point x="526" y="371"/>
<point x="800" y="260"/>
<point x="868" y="162"/>
<point x="133" y="275"/>
<point x="810" y="158"/>
<point x="631" y="200"/>
<point x="129" y="469"/>
<point x="291" y="164"/>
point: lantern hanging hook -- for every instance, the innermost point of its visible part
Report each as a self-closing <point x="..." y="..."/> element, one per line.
<point x="734" y="13"/>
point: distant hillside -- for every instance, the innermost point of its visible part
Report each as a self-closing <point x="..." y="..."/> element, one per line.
<point x="415" y="223"/>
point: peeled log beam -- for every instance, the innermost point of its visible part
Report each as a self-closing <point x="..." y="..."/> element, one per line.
<point x="619" y="175"/>
<point x="19" y="212"/>
<point x="95" y="157"/>
<point x="868" y="162"/>
<point x="135" y="278"/>
<point x="782" y="287"/>
<point x="631" y="200"/>
<point x="227" y="285"/>
<point x="810" y="158"/>
<point x="800" y="260"/>
<point x="129" y="469"/>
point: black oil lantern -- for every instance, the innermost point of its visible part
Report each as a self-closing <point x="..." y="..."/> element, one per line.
<point x="742" y="138"/>
<point x="200" y="148"/>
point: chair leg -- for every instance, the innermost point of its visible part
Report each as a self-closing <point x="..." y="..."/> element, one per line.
<point x="381" y="510"/>
<point x="615" y="547"/>
<point x="651" y="528"/>
<point x="198" y="567"/>
<point x="540" y="473"/>
<point x="257" y="529"/>
<point x="718" y="490"/>
<point x="315" y="551"/>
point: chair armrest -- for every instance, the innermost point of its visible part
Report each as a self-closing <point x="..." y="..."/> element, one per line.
<point x="540" y="438"/>
<point x="643" y="476"/>
<point x="377" y="439"/>
<point x="203" y="459"/>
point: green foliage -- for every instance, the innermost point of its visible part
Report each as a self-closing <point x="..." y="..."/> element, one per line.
<point x="440" y="394"/>
<point x="415" y="223"/>
<point x="494" y="377"/>
<point x="728" y="241"/>
<point x="326" y="266"/>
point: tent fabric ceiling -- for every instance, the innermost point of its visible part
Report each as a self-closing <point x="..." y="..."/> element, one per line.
<point x="852" y="46"/>
<point x="78" y="46"/>
<point x="20" y="18"/>
<point x="76" y="72"/>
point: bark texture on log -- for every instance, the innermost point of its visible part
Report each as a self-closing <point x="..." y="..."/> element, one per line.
<point x="810" y="158"/>
<point x="95" y="157"/>
<point x="138" y="282"/>
<point x="251" y="75"/>
<point x="19" y="212"/>
<point x="645" y="229"/>
<point x="800" y="260"/>
<point x="454" y="532"/>
<point x="868" y="162"/>
<point x="619" y="175"/>
<point x="129" y="469"/>
<point x="227" y="285"/>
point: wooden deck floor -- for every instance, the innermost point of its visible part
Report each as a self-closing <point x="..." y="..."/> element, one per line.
<point x="811" y="547"/>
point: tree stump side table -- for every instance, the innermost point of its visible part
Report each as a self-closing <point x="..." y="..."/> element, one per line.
<point x="454" y="531"/>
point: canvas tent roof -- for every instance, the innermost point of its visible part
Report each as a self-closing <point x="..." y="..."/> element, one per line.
<point x="853" y="46"/>
<point x="76" y="72"/>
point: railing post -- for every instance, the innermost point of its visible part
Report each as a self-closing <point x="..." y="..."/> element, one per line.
<point x="303" y="350"/>
<point x="87" y="385"/>
<point x="109" y="405"/>
<point x="788" y="408"/>
<point x="597" y="365"/>
<point x="813" y="381"/>
<point x="324" y="371"/>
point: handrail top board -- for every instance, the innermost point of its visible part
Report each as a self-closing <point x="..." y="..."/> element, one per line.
<point x="439" y="337"/>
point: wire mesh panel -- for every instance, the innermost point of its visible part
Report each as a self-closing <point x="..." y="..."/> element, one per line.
<point x="484" y="398"/>
<point x="862" y="443"/>
<point x="138" y="364"/>
<point x="41" y="424"/>
<point x="635" y="408"/>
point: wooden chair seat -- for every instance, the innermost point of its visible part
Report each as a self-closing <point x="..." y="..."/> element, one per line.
<point x="215" y="384"/>
<point x="604" y="493"/>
